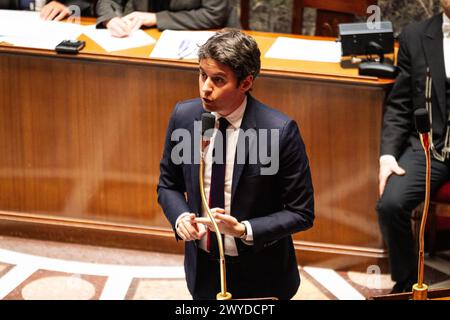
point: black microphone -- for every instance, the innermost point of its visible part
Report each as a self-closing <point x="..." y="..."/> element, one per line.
<point x="377" y="48"/>
<point x="208" y="124"/>
<point x="422" y="120"/>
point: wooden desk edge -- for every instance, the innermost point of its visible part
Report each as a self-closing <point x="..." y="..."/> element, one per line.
<point x="360" y="80"/>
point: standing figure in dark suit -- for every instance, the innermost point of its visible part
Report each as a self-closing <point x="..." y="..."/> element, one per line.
<point x="53" y="10"/>
<point x="258" y="204"/>
<point x="424" y="62"/>
<point x="121" y="17"/>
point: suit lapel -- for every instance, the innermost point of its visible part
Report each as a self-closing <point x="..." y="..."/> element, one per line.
<point x="434" y="52"/>
<point x="248" y="122"/>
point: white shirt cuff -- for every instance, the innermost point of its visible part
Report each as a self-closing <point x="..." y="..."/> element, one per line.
<point x="387" y="156"/>
<point x="181" y="216"/>
<point x="249" y="237"/>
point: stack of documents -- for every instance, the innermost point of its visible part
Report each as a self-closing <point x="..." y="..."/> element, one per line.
<point x="309" y="50"/>
<point x="103" y="38"/>
<point x="180" y="44"/>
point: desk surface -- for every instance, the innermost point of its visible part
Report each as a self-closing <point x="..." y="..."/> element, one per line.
<point x="280" y="67"/>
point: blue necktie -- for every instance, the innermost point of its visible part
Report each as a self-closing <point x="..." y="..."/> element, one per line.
<point x="217" y="190"/>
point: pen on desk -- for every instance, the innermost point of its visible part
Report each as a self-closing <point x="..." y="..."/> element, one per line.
<point x="189" y="49"/>
<point x="182" y="45"/>
<point x="187" y="53"/>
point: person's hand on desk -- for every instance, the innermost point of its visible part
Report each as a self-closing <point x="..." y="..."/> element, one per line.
<point x="123" y="27"/>
<point x="388" y="166"/>
<point x="139" y="19"/>
<point x="188" y="229"/>
<point x="54" y="11"/>
<point x="227" y="224"/>
<point x="119" y="28"/>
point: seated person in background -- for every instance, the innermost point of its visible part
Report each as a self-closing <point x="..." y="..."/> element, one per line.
<point x="58" y="10"/>
<point x="423" y="46"/>
<point x="54" y="10"/>
<point x="122" y="17"/>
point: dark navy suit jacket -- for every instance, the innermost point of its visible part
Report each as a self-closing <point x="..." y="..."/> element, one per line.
<point x="276" y="205"/>
<point x="421" y="47"/>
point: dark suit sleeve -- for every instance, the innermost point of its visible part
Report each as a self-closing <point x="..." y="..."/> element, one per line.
<point x="211" y="14"/>
<point x="171" y="187"/>
<point x="398" y="114"/>
<point x="8" y="4"/>
<point x="297" y="193"/>
<point x="108" y="9"/>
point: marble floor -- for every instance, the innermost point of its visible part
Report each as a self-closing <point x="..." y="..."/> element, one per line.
<point x="46" y="270"/>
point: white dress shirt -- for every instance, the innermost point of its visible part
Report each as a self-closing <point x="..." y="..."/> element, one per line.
<point x="235" y="120"/>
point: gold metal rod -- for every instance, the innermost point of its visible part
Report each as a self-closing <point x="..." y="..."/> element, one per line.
<point x="420" y="289"/>
<point x="223" y="294"/>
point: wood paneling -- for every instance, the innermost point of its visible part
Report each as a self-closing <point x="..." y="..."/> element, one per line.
<point x="85" y="139"/>
<point x="340" y="125"/>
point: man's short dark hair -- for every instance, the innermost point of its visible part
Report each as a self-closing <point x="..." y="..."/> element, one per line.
<point x="235" y="49"/>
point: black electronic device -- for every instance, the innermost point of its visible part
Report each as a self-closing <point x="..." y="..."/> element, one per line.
<point x="70" y="46"/>
<point x="371" y="40"/>
<point x="374" y="68"/>
<point x="356" y="37"/>
<point x="377" y="69"/>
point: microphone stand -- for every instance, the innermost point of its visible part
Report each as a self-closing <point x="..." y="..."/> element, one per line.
<point x="420" y="290"/>
<point x="223" y="294"/>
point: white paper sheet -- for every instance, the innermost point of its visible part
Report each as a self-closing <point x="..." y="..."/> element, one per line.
<point x="27" y="42"/>
<point x="104" y="39"/>
<point x="309" y="50"/>
<point x="180" y="44"/>
<point x="26" y="29"/>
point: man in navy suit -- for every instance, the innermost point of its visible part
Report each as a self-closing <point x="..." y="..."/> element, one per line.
<point x="257" y="204"/>
<point x="423" y="58"/>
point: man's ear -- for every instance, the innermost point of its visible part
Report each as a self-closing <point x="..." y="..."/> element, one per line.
<point x="246" y="84"/>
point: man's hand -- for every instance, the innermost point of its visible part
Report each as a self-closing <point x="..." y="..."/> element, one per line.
<point x="139" y="19"/>
<point x="388" y="166"/>
<point x="189" y="230"/>
<point x="54" y="11"/>
<point x="119" y="28"/>
<point x="227" y="224"/>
